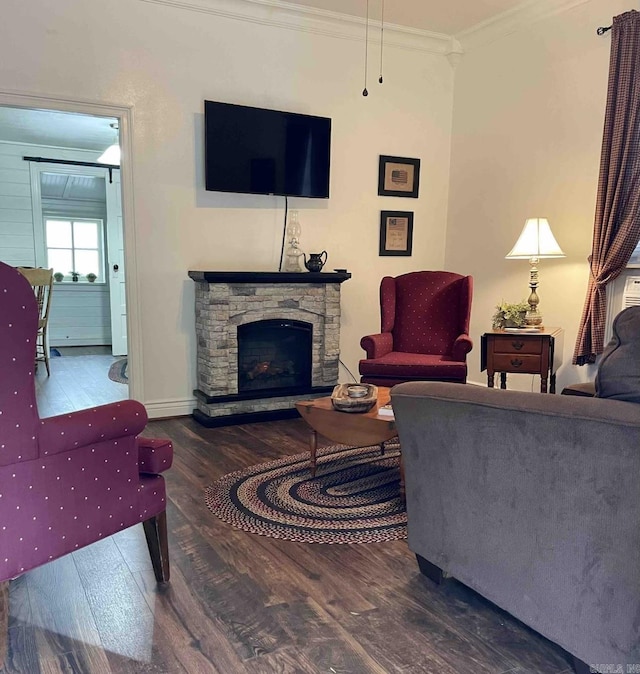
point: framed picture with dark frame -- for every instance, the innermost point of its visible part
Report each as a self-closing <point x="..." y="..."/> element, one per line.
<point x="398" y="177"/>
<point x="396" y="233"/>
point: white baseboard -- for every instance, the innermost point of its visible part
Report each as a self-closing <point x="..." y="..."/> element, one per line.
<point x="160" y="409"/>
<point x="89" y="341"/>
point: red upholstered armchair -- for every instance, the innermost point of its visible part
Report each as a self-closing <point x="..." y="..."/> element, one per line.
<point x="70" y="480"/>
<point x="424" y="334"/>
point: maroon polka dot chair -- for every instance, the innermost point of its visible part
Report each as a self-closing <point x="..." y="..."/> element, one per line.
<point x="424" y="331"/>
<point x="70" y="480"/>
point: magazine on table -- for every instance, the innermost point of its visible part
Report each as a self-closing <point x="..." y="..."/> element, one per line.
<point x="385" y="410"/>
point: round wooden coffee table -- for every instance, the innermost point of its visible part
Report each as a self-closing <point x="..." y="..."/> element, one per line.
<point x="348" y="428"/>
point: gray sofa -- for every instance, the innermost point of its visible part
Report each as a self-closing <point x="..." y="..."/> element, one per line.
<point x="534" y="502"/>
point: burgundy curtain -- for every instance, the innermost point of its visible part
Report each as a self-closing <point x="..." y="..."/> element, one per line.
<point x="616" y="229"/>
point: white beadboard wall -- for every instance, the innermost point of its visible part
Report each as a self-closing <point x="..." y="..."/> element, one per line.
<point x="16" y="219"/>
<point x="79" y="314"/>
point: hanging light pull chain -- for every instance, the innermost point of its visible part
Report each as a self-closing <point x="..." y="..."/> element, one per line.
<point x="366" y="51"/>
<point x="381" y="41"/>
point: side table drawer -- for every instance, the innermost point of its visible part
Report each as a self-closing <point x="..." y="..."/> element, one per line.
<point x="512" y="344"/>
<point x="517" y="363"/>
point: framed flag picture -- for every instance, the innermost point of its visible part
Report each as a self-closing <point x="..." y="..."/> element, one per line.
<point x="396" y="233"/>
<point x="398" y="177"/>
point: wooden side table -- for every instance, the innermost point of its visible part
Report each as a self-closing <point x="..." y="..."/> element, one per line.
<point x="537" y="352"/>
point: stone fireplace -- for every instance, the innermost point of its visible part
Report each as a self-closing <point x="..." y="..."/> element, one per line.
<point x="264" y="341"/>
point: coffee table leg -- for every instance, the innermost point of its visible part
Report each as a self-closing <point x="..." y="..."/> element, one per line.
<point x="313" y="446"/>
<point x="382" y="448"/>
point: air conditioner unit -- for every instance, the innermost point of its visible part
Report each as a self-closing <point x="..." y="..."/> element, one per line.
<point x="631" y="295"/>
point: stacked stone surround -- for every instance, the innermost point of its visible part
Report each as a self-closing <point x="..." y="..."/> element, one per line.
<point x="222" y="306"/>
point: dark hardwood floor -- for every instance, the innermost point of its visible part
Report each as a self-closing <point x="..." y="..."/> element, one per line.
<point x="241" y="603"/>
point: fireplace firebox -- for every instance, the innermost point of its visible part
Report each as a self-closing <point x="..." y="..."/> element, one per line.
<point x="274" y="356"/>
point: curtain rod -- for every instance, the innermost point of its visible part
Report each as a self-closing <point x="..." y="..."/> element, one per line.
<point x="68" y="162"/>
<point x="603" y="29"/>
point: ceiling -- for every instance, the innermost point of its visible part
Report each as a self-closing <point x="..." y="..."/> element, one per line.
<point x="78" y="188"/>
<point x="438" y="16"/>
<point x="61" y="129"/>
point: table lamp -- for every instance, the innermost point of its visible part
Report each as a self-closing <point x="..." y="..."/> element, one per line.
<point x="536" y="241"/>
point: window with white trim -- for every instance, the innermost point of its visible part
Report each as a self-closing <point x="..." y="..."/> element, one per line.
<point x="75" y="249"/>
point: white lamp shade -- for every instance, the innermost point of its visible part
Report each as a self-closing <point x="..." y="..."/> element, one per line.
<point x="536" y="240"/>
<point x="111" y="155"/>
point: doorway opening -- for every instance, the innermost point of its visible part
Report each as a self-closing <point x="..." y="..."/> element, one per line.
<point x="68" y="217"/>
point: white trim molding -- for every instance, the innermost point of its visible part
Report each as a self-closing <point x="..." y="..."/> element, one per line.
<point x="163" y="409"/>
<point x="125" y="116"/>
<point x="279" y="14"/>
<point x="513" y="19"/>
<point x="288" y="15"/>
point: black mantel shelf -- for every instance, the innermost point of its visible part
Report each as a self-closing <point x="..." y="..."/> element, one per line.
<point x="268" y="277"/>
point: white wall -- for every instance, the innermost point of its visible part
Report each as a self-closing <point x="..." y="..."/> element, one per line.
<point x="528" y="120"/>
<point x="164" y="61"/>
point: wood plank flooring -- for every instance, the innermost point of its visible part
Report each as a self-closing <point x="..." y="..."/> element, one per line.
<point x="78" y="379"/>
<point x="247" y="604"/>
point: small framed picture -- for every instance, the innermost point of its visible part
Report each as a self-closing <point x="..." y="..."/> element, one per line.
<point x="396" y="232"/>
<point x="398" y="177"/>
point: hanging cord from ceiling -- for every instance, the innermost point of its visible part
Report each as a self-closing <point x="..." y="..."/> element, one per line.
<point x="366" y="51"/>
<point x="284" y="232"/>
<point x="381" y="41"/>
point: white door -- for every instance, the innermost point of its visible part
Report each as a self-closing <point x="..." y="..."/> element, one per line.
<point x="114" y="259"/>
<point x="115" y="267"/>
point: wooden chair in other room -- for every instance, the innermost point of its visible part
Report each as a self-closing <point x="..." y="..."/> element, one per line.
<point x="41" y="281"/>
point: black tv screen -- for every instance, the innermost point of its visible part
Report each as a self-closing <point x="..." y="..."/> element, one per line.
<point x="259" y="151"/>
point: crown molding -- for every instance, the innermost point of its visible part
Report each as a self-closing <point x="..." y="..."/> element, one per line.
<point x="514" y="19"/>
<point x="289" y="16"/>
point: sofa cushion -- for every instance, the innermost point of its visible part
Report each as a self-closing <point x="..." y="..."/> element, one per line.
<point x="414" y="366"/>
<point x="586" y="389"/>
<point x="618" y="374"/>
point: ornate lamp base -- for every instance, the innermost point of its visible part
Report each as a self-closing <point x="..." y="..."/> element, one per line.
<point x="533" y="319"/>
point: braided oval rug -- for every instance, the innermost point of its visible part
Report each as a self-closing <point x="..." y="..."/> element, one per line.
<point x="354" y="497"/>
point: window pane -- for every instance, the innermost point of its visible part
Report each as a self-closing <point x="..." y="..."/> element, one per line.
<point x="58" y="234"/>
<point x="87" y="261"/>
<point x="60" y="260"/>
<point x="85" y="234"/>
<point x="635" y="256"/>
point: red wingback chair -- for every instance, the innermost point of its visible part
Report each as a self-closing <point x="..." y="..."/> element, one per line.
<point x="69" y="480"/>
<point x="424" y="331"/>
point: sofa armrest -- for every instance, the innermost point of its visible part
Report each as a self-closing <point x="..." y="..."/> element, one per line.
<point x="97" y="424"/>
<point x="461" y="348"/>
<point x="377" y="345"/>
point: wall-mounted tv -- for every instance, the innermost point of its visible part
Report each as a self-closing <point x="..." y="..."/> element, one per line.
<point x="259" y="151"/>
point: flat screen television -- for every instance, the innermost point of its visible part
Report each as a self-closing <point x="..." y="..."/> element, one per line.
<point x="258" y="151"/>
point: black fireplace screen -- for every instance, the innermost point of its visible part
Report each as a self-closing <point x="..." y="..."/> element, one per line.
<point x="274" y="354"/>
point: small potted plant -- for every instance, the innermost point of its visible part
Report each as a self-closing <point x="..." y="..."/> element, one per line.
<point x="75" y="275"/>
<point x="509" y="315"/>
<point x="91" y="277"/>
<point x="58" y="277"/>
